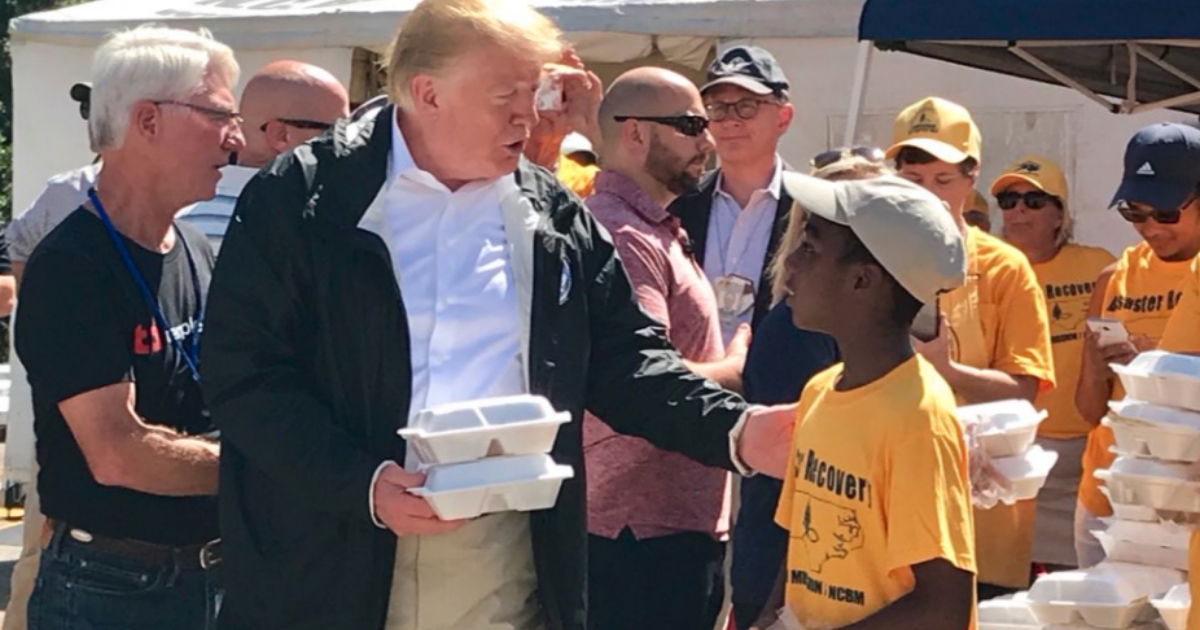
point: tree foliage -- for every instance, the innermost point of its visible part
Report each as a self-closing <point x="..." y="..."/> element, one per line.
<point x="10" y="9"/>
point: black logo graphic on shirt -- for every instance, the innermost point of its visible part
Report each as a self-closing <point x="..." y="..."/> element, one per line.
<point x="1067" y="304"/>
<point x="829" y="532"/>
<point x="1145" y="303"/>
<point x="829" y="477"/>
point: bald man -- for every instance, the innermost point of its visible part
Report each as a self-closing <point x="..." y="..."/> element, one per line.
<point x="284" y="105"/>
<point x="656" y="520"/>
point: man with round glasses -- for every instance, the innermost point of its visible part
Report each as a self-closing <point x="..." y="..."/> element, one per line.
<point x="1033" y="196"/>
<point x="1158" y="195"/>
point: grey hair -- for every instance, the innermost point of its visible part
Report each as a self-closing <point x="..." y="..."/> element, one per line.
<point x="151" y="63"/>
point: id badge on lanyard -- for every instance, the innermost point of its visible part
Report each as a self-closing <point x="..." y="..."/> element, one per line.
<point x="190" y="353"/>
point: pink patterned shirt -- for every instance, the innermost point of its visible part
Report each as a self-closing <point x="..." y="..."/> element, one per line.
<point x="631" y="483"/>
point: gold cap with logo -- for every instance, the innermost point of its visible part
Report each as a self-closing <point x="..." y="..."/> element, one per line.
<point x="1037" y="171"/>
<point x="940" y="128"/>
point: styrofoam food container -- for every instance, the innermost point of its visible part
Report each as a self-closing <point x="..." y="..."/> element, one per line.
<point x="1174" y="607"/>
<point x="1027" y="472"/>
<point x="1160" y="441"/>
<point x="1109" y="595"/>
<point x="463" y="432"/>
<point x="1156" y="484"/>
<point x="1157" y="534"/>
<point x="1006" y="428"/>
<point x="1008" y="611"/>
<point x="1162" y="378"/>
<point x="497" y="484"/>
<point x="1142" y="513"/>
<point x="1142" y="553"/>
<point x="1158" y="415"/>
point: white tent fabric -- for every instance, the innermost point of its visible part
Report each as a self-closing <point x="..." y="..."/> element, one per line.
<point x="371" y="23"/>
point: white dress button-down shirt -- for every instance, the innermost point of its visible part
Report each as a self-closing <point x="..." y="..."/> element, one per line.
<point x="738" y="238"/>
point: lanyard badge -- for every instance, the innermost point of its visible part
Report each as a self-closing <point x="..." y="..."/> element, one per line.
<point x="191" y="353"/>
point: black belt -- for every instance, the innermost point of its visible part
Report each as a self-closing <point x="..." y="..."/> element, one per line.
<point x="188" y="557"/>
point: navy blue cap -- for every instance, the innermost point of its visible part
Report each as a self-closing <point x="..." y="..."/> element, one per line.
<point x="748" y="67"/>
<point x="1162" y="166"/>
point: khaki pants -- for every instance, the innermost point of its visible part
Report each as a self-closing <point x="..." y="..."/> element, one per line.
<point x="26" y="570"/>
<point x="480" y="577"/>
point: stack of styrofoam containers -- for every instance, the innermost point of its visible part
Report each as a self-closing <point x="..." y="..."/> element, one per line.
<point x="1006" y="431"/>
<point x="1155" y="487"/>
<point x="487" y="456"/>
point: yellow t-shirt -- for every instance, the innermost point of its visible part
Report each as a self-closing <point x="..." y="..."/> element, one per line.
<point x="1142" y="293"/>
<point x="1002" y="302"/>
<point x="1183" y="335"/>
<point x="1067" y="281"/>
<point x="878" y="483"/>
<point x="578" y="178"/>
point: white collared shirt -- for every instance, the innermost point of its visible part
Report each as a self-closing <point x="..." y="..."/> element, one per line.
<point x="738" y="238"/>
<point x="451" y="258"/>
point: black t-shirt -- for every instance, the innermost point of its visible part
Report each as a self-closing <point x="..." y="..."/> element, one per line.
<point x="85" y="325"/>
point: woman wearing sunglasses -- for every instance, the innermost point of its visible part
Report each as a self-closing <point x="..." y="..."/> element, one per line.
<point x="1032" y="195"/>
<point x="1160" y="197"/>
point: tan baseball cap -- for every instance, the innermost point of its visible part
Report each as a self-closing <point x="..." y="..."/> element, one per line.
<point x="904" y="226"/>
<point x="1037" y="171"/>
<point x="978" y="202"/>
<point x="940" y="128"/>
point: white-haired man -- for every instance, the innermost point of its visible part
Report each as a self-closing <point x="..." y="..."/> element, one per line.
<point x="408" y="260"/>
<point x="112" y="303"/>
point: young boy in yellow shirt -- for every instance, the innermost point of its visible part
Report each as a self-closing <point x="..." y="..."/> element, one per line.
<point x="876" y="498"/>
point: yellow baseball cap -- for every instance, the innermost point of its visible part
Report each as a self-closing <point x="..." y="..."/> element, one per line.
<point x="938" y="127"/>
<point x="978" y="202"/>
<point x="1037" y="171"/>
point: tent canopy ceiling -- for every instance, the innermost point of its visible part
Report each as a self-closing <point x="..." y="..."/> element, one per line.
<point x="372" y="23"/>
<point x="1144" y="54"/>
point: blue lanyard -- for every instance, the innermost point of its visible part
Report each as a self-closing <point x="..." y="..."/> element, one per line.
<point x="190" y="354"/>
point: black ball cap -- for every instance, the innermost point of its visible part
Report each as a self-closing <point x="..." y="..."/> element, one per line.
<point x="748" y="67"/>
<point x="82" y="93"/>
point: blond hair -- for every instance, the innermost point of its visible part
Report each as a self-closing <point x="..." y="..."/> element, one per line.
<point x="848" y="168"/>
<point x="438" y="31"/>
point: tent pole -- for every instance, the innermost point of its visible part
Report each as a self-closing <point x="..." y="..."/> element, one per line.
<point x="1062" y="78"/>
<point x="861" y="67"/>
<point x="1131" y="85"/>
<point x="1168" y="103"/>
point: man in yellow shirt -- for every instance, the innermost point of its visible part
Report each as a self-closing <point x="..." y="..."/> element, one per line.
<point x="996" y="342"/>
<point x="1032" y="195"/>
<point x="1159" y="196"/>
<point x="977" y="213"/>
<point x="876" y="498"/>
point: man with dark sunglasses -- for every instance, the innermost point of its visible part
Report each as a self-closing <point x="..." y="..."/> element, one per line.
<point x="284" y="105"/>
<point x="657" y="520"/>
<point x="1033" y="197"/>
<point x="1158" y="195"/>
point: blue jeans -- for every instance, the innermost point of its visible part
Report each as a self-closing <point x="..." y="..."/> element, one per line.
<point x="79" y="588"/>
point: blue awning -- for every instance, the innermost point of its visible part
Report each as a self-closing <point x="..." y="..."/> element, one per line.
<point x="1093" y="46"/>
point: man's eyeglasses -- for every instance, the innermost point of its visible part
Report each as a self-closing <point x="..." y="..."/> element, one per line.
<point x="219" y="116"/>
<point x="1134" y="214"/>
<point x="301" y="123"/>
<point x="686" y="125"/>
<point x="1033" y="199"/>
<point x="870" y="154"/>
<point x="746" y="109"/>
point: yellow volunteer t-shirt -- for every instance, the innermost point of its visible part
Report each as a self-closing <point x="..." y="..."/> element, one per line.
<point x="1067" y="281"/>
<point x="1183" y="335"/>
<point x="577" y="178"/>
<point x="877" y="483"/>
<point x="1142" y="293"/>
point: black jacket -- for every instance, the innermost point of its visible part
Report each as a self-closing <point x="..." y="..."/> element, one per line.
<point x="694" y="211"/>
<point x="306" y="369"/>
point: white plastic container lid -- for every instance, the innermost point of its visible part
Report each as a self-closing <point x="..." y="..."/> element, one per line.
<point x="466" y="431"/>
<point x="1156" y="414"/>
<point x="1007" y="610"/>
<point x="1002" y="416"/>
<point x="1146" y="467"/>
<point x="1174" y="607"/>
<point x="1166" y="364"/>
<point x="1035" y="463"/>
<point x="1108" y="583"/>
<point x="1155" y="534"/>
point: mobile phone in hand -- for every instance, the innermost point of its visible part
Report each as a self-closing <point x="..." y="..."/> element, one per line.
<point x="1111" y="331"/>
<point x="550" y="94"/>
<point x="927" y="325"/>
